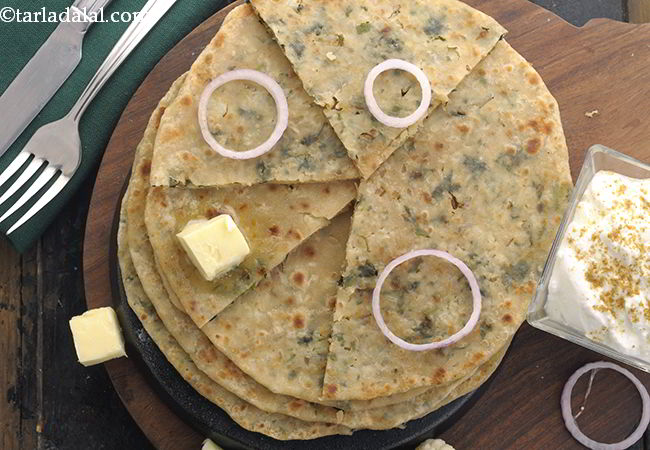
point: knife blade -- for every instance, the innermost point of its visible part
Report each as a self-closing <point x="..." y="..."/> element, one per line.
<point x="39" y="80"/>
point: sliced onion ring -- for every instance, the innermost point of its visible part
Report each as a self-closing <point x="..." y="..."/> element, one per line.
<point x="469" y="326"/>
<point x="281" y="107"/>
<point x="371" y="102"/>
<point x="571" y="423"/>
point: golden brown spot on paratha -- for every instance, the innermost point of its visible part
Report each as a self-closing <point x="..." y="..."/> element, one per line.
<point x="274" y="230"/>
<point x="533" y="145"/>
<point x="273" y="187"/>
<point x="309" y="251"/>
<point x="240" y="129"/>
<point x="304" y="205"/>
<point x="533" y="78"/>
<point x="207" y="59"/>
<point x="208" y="354"/>
<point x="186" y="100"/>
<point x="541" y="126"/>
<point x="145" y="169"/>
<point x="525" y="288"/>
<point x="540" y="207"/>
<point x="548" y="127"/>
<point x="143" y="316"/>
<point x="507" y="318"/>
<point x="427" y="197"/>
<point x="211" y="213"/>
<point x="331" y="388"/>
<point x="298" y="321"/>
<point x="295" y="405"/>
<point x="218" y="40"/>
<point x="243" y="207"/>
<point x="508" y="304"/>
<point x="439" y="145"/>
<point x="481" y="72"/>
<point x="326" y="189"/>
<point x="299" y="278"/>
<point x="477" y="356"/>
<point x="170" y="134"/>
<point x="261" y="271"/>
<point x="208" y="153"/>
<point x="294" y="234"/>
<point x="482" y="35"/>
<point x="227" y="326"/>
<point x="332" y="302"/>
<point x="291" y="301"/>
<point x="511" y="150"/>
<point x="439" y="375"/>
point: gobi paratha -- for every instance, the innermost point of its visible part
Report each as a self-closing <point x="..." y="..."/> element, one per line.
<point x="208" y="360"/>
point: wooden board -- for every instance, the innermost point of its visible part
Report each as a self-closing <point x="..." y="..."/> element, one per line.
<point x="601" y="66"/>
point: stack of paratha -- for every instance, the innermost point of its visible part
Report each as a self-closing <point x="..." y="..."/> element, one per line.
<point x="286" y="343"/>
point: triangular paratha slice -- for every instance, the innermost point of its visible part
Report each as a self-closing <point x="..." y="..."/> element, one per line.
<point x="486" y="180"/>
<point x="332" y="47"/>
<point x="242" y="115"/>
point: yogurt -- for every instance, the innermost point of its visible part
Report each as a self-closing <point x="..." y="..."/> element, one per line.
<point x="600" y="283"/>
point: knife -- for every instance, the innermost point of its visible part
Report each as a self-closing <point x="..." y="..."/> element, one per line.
<point x="44" y="74"/>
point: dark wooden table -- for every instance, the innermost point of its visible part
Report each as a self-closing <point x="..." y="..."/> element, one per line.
<point x="49" y="401"/>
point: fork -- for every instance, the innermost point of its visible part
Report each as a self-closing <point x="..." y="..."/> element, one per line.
<point x="57" y="145"/>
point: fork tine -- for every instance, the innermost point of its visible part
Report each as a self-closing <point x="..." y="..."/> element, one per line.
<point x="22" y="179"/>
<point x="44" y="200"/>
<point x="41" y="181"/>
<point x="16" y="164"/>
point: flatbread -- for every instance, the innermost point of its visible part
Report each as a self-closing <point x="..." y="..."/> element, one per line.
<point x="273" y="218"/>
<point x="209" y="360"/>
<point x="487" y="180"/>
<point x="206" y="360"/>
<point x="242" y="115"/>
<point x="332" y="46"/>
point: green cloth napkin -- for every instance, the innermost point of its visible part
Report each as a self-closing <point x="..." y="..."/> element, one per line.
<point x="19" y="42"/>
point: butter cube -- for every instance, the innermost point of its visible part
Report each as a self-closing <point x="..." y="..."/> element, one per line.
<point x="97" y="336"/>
<point x="214" y="246"/>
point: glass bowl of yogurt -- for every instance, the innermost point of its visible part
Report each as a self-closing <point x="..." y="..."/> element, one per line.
<point x="595" y="287"/>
